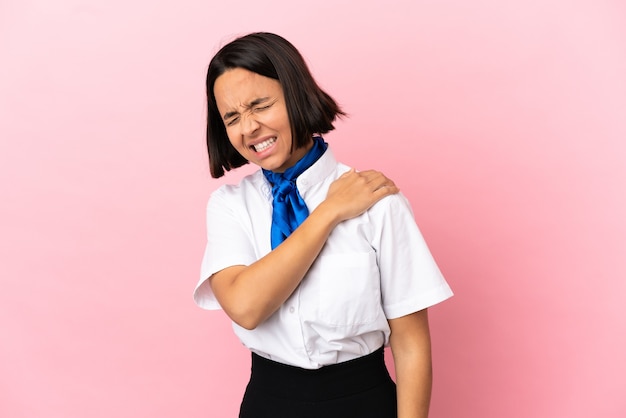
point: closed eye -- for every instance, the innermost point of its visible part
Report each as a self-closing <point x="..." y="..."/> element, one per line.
<point x="261" y="108"/>
<point x="231" y="118"/>
<point x="232" y="121"/>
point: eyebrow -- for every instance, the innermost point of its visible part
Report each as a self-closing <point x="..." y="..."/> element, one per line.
<point x="253" y="103"/>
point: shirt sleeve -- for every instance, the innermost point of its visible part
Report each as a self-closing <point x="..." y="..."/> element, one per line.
<point x="410" y="278"/>
<point x="228" y="244"/>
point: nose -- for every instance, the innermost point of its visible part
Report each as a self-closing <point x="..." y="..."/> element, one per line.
<point x="249" y="125"/>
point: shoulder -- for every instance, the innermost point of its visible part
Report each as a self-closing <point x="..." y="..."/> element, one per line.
<point x="237" y="197"/>
<point x="250" y="184"/>
<point x="395" y="207"/>
<point x="396" y="203"/>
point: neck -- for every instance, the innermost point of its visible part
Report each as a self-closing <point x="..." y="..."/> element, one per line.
<point x="299" y="153"/>
<point x="305" y="157"/>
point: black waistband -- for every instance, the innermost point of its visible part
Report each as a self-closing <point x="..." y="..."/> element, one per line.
<point x="328" y="382"/>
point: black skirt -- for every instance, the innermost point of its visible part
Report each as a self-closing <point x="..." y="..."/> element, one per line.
<point x="357" y="388"/>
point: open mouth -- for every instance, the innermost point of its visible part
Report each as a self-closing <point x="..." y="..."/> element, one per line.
<point x="264" y="145"/>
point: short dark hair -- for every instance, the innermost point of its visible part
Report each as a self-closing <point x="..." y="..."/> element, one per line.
<point x="310" y="109"/>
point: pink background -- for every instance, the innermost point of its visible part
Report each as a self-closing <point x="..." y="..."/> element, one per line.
<point x="504" y="122"/>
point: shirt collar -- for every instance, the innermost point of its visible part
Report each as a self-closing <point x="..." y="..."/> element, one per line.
<point x="314" y="175"/>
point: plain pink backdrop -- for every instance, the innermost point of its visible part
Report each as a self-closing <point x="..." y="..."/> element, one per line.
<point x="504" y="122"/>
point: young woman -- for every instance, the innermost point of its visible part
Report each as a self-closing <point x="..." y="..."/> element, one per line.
<point x="319" y="266"/>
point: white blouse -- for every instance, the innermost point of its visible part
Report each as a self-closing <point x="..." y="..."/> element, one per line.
<point x="372" y="268"/>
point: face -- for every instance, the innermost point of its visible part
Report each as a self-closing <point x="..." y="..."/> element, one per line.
<point x="255" y="115"/>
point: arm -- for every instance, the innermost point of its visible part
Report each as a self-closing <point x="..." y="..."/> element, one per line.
<point x="410" y="345"/>
<point x="250" y="294"/>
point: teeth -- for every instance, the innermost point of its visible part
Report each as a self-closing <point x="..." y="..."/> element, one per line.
<point x="264" y="145"/>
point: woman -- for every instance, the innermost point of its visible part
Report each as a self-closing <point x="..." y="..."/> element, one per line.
<point x="318" y="266"/>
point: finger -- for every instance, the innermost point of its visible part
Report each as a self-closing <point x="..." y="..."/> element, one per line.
<point x="377" y="180"/>
<point x="381" y="181"/>
<point x="349" y="172"/>
<point x="372" y="179"/>
<point x="385" y="190"/>
<point x="368" y="174"/>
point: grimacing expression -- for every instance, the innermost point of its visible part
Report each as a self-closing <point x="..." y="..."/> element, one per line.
<point x="254" y="112"/>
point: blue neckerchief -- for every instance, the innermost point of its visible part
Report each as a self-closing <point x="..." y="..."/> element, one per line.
<point x="289" y="208"/>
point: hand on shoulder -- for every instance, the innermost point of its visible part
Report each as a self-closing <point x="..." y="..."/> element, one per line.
<point x="354" y="192"/>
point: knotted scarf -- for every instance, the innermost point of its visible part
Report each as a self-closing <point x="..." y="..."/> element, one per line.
<point x="290" y="210"/>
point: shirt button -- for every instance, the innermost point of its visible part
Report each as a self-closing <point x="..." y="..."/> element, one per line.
<point x="292" y="309"/>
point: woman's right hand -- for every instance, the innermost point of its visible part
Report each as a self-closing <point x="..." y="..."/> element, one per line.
<point x="354" y="192"/>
